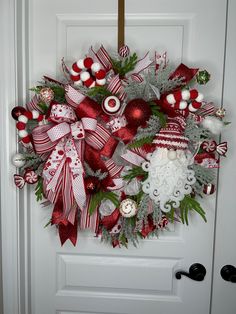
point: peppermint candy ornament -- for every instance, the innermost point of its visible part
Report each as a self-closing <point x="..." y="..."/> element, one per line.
<point x="88" y="73"/>
<point x="209" y="146"/>
<point x="19" y="181"/>
<point x="30" y="177"/>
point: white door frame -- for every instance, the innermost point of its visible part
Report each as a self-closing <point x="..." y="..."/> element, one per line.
<point x="15" y="225"/>
<point x="14" y="243"/>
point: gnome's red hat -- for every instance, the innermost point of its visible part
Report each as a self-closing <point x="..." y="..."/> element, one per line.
<point x="172" y="135"/>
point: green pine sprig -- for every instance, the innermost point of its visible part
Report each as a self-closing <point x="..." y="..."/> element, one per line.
<point x="97" y="198"/>
<point x="141" y="142"/>
<point x="39" y="190"/>
<point x="188" y="204"/>
<point x="126" y="65"/>
<point x="156" y="112"/>
<point x="134" y="173"/>
<point x="98" y="91"/>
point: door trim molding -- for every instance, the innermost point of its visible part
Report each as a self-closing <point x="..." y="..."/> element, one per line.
<point x="14" y="243"/>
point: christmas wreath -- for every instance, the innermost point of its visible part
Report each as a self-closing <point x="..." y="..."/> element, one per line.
<point x="120" y="145"/>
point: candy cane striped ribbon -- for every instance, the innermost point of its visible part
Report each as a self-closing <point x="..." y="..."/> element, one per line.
<point x="33" y="104"/>
<point x="102" y="57"/>
<point x="87" y="220"/>
<point x="206" y="109"/>
<point x="73" y="96"/>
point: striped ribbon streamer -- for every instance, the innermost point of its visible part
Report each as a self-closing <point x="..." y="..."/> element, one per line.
<point x="102" y="57"/>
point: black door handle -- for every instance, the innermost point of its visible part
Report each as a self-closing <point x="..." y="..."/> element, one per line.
<point x="228" y="273"/>
<point x="196" y="272"/>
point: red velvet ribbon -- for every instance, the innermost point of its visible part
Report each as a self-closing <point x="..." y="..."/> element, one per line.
<point x="110" y="221"/>
<point x="183" y="71"/>
<point x="65" y="228"/>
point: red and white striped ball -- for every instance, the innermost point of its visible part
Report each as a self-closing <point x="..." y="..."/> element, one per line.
<point x="111" y="105"/>
<point x="209" y="189"/>
<point x="124" y="51"/>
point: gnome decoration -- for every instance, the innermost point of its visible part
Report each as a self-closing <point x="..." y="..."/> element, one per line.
<point x="169" y="177"/>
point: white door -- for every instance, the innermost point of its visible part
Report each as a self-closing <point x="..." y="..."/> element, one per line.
<point x="224" y="291"/>
<point x="92" y="277"/>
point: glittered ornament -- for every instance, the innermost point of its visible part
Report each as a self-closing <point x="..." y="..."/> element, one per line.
<point x="17" y="111"/>
<point x="137" y="112"/>
<point x="92" y="185"/>
<point x="220" y="113"/>
<point x="209" y="189"/>
<point x="124" y="51"/>
<point x="18" y="160"/>
<point x="128" y="208"/>
<point x="111" y="105"/>
<point x="203" y="77"/>
<point x="46" y="95"/>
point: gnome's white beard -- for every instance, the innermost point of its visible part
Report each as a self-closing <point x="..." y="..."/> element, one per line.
<point x="169" y="178"/>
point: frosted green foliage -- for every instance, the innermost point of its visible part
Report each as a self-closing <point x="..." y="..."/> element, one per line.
<point x="135" y="90"/>
<point x="142" y="212"/>
<point x="203" y="176"/>
<point x="195" y="132"/>
<point x="33" y="161"/>
<point x="98" y="173"/>
<point x="156" y="216"/>
<point x="161" y="78"/>
<point x="106" y="236"/>
<point x="153" y="127"/>
<point x="127" y="231"/>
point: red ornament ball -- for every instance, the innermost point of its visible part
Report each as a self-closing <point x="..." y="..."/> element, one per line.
<point x="92" y="185"/>
<point x="137" y="112"/>
<point x="17" y="111"/>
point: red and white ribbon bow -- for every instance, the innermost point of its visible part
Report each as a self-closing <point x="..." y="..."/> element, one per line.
<point x="63" y="171"/>
<point x="212" y="146"/>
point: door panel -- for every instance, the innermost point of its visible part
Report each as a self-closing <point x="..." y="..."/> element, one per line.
<point x="92" y="277"/>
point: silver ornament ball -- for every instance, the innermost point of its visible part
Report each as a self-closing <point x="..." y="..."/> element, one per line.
<point x="18" y="160"/>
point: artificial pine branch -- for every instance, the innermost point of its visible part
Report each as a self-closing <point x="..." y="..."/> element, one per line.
<point x="188" y="204"/>
<point x="39" y="190"/>
<point x="124" y="66"/>
<point x="135" y="172"/>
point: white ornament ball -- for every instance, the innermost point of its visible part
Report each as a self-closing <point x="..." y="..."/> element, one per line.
<point x="191" y="108"/>
<point x="80" y="64"/>
<point x="72" y="72"/>
<point x="101" y="81"/>
<point x="18" y="160"/>
<point x="199" y="97"/>
<point x="128" y="208"/>
<point x="23" y="133"/>
<point x="23" y="119"/>
<point x="35" y="114"/>
<point x="183" y="105"/>
<point x="185" y="94"/>
<point x="172" y="155"/>
<point x="95" y="67"/>
<point x="171" y="99"/>
<point x="84" y="76"/>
